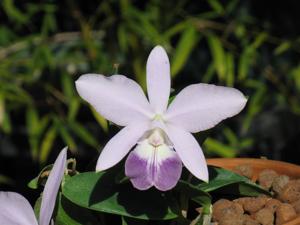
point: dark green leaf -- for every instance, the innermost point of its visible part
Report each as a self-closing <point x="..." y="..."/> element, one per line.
<point x="67" y="213"/>
<point x="221" y="179"/>
<point x="98" y="191"/>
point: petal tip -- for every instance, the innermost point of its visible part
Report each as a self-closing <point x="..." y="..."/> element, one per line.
<point x="159" y="50"/>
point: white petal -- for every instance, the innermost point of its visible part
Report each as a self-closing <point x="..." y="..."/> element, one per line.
<point x="189" y="151"/>
<point x="200" y="107"/>
<point x="15" y="210"/>
<point x="117" y="98"/>
<point x="158" y="79"/>
<point x="117" y="147"/>
<point x="52" y="187"/>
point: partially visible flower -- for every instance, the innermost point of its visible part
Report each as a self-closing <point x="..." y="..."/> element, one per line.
<point x="16" y="210"/>
<point x="162" y="133"/>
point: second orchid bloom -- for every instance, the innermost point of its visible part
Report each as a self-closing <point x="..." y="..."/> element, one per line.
<point x="161" y="133"/>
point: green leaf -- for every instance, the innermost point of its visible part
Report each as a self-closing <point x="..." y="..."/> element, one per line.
<point x="221" y="179"/>
<point x="184" y="48"/>
<point x="98" y="191"/>
<point x="67" y="213"/>
<point x="132" y="221"/>
<point x="193" y="192"/>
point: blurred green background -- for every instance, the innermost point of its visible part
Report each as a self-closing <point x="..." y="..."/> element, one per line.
<point x="46" y="45"/>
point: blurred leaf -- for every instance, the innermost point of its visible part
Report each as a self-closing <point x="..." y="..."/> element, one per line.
<point x="184" y="48"/>
<point x="83" y="133"/>
<point x="231" y="6"/>
<point x="2" y="110"/>
<point x="214" y="146"/>
<point x="122" y="38"/>
<point x="6" y="123"/>
<point x="47" y="144"/>
<point x="100" y="119"/>
<point x="139" y="72"/>
<point x="32" y="123"/>
<point x="255" y="104"/>
<point x="216" y="5"/>
<point x="246" y="143"/>
<point x="218" y="55"/>
<point x="283" y="47"/>
<point x="245" y="62"/>
<point x="248" y="55"/>
<point x="295" y="73"/>
<point x="229" y="69"/>
<point x="68" y="86"/>
<point x="207" y="77"/>
<point x="231" y="136"/>
<point x="65" y="135"/>
<point x="74" y="106"/>
<point x="6" y="180"/>
<point x="13" y="12"/>
<point x="43" y="57"/>
<point x="49" y="23"/>
<point x="259" y="40"/>
<point x="177" y="28"/>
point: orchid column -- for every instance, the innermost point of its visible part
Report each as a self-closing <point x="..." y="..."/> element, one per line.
<point x="161" y="133"/>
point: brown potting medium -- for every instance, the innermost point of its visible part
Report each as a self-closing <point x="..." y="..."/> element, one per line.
<point x="258" y="165"/>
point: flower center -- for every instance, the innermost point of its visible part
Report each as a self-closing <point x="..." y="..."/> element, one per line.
<point x="156" y="138"/>
<point x="158" y="117"/>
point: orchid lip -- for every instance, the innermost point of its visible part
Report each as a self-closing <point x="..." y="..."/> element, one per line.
<point x="153" y="163"/>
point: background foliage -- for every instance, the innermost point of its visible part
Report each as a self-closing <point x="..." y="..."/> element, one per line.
<point x="45" y="46"/>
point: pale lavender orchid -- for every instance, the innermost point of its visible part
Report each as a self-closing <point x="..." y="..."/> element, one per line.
<point x="162" y="133"/>
<point x="16" y="210"/>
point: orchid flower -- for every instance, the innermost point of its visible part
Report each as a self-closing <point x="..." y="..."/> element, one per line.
<point x="161" y="133"/>
<point x="16" y="210"/>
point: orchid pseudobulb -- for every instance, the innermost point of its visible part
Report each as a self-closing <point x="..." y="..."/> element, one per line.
<point x="15" y="209"/>
<point x="161" y="133"/>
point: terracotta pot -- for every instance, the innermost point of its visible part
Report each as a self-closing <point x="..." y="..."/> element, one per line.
<point x="258" y="165"/>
